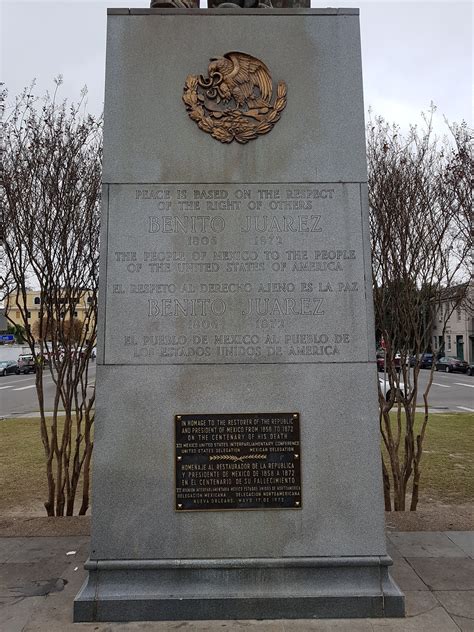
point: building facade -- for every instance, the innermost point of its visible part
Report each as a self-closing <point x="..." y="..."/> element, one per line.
<point x="33" y="305"/>
<point x="458" y="336"/>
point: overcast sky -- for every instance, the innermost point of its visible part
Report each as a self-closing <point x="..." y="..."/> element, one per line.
<point x="413" y="52"/>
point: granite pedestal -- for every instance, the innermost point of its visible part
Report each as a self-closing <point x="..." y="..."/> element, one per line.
<point x="235" y="278"/>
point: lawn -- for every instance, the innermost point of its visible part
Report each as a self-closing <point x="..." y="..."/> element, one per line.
<point x="448" y="459"/>
<point x="447" y="466"/>
<point x="23" y="485"/>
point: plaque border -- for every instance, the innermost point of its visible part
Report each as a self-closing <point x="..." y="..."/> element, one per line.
<point x="179" y="511"/>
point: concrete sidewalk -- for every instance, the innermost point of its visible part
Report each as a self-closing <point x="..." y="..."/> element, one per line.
<point x="40" y="576"/>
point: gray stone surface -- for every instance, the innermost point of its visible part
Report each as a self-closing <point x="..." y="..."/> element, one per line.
<point x="459" y="603"/>
<point x="320" y="246"/>
<point x="392" y="549"/>
<point x="445" y="573"/>
<point x="342" y="506"/>
<point x="464" y="540"/>
<point x="9" y="547"/>
<point x="436" y="620"/>
<point x="434" y="544"/>
<point x="465" y="625"/>
<point x="23" y="550"/>
<point x="441" y="611"/>
<point x="320" y="137"/>
<point x="326" y="558"/>
<point x="321" y="11"/>
<point x="328" y="626"/>
<point x="15" y="613"/>
<point x="405" y="576"/>
<point x="416" y="601"/>
<point x="247" y="589"/>
<point x="101" y="306"/>
<point x="369" y="314"/>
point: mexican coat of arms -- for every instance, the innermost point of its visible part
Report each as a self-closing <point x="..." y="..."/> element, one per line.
<point x="235" y="101"/>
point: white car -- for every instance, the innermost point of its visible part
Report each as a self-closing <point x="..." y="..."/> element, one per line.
<point x="386" y="388"/>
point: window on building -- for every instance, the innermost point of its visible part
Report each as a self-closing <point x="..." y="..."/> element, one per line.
<point x="28" y="314"/>
<point x="448" y="342"/>
<point x="75" y="314"/>
<point x="37" y="300"/>
<point x="458" y="311"/>
<point x="89" y="299"/>
<point x="17" y="314"/>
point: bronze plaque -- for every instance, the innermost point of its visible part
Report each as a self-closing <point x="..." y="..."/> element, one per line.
<point x="238" y="461"/>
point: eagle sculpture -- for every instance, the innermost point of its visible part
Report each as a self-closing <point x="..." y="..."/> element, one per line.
<point x="240" y="77"/>
<point x="235" y="100"/>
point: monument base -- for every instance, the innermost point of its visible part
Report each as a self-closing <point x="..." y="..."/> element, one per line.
<point x="263" y="588"/>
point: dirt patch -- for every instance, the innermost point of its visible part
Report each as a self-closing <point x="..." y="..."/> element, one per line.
<point x="432" y="517"/>
<point x="27" y="526"/>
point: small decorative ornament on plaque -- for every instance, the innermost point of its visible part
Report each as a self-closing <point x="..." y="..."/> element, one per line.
<point x="235" y="101"/>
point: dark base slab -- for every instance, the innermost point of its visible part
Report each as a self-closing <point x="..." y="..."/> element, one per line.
<point x="288" y="588"/>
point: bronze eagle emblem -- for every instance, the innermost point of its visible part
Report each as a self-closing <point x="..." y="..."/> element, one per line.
<point x="234" y="101"/>
<point x="242" y="77"/>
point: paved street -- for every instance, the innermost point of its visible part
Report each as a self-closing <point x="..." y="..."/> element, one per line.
<point x="449" y="392"/>
<point x="452" y="392"/>
<point x="18" y="393"/>
<point x="40" y="576"/>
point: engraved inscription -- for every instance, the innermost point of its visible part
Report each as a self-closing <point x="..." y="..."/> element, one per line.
<point x="238" y="461"/>
<point x="235" y="273"/>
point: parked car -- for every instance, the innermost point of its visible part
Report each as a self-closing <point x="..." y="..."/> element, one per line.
<point x="8" y="366"/>
<point x="381" y="363"/>
<point x="426" y="360"/>
<point x="470" y="369"/>
<point x="387" y="389"/>
<point x="26" y="363"/>
<point x="451" y="364"/>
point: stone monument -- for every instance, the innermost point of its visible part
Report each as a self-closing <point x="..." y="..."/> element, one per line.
<point x="236" y="460"/>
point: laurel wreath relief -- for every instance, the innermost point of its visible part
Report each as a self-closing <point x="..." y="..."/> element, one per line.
<point x="233" y="457"/>
<point x="250" y="112"/>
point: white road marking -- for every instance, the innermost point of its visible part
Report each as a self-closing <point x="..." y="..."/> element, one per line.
<point x="443" y="385"/>
<point x="2" y="387"/>
<point x="23" y="388"/>
<point x="461" y="384"/>
<point x="471" y="410"/>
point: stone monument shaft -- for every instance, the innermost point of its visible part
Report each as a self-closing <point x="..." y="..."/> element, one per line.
<point x="236" y="464"/>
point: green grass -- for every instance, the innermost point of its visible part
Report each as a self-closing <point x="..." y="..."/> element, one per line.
<point x="447" y="466"/>
<point x="23" y="484"/>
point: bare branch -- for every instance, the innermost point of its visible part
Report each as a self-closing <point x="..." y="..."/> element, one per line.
<point x="420" y="201"/>
<point x="51" y="185"/>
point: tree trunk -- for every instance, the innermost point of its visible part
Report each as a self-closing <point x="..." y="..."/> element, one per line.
<point x="386" y="488"/>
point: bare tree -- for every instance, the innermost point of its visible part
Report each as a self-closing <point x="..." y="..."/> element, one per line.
<point x="51" y="181"/>
<point x="417" y="187"/>
<point x="457" y="186"/>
